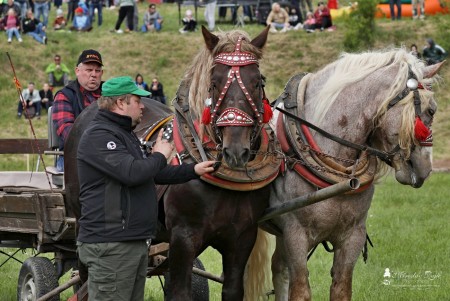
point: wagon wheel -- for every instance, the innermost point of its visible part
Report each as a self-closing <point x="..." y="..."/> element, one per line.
<point x="200" y="288"/>
<point x="36" y="278"/>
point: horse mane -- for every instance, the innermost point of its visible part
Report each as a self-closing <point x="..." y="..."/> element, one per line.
<point x="352" y="68"/>
<point x="198" y="74"/>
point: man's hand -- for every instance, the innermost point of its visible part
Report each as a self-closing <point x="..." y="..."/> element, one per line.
<point x="204" y="167"/>
<point x="162" y="146"/>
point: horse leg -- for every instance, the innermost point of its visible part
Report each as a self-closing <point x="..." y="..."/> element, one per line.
<point x="235" y="255"/>
<point x="297" y="246"/>
<point x="345" y="257"/>
<point x="181" y="258"/>
<point x="280" y="272"/>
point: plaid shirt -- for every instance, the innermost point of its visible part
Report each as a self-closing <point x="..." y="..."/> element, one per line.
<point x="63" y="114"/>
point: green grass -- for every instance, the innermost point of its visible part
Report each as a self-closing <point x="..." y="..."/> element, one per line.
<point x="409" y="229"/>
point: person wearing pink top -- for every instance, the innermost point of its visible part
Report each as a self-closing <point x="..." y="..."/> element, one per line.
<point x="310" y="23"/>
<point x="12" y="25"/>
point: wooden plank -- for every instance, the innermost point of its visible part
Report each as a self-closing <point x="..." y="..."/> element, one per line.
<point x="52" y="200"/>
<point x="158" y="249"/>
<point x="56" y="214"/>
<point x="16" y="203"/>
<point x="23" y="146"/>
<point x="19" y="225"/>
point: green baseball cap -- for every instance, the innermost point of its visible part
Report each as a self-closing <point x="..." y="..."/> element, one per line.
<point x="120" y="86"/>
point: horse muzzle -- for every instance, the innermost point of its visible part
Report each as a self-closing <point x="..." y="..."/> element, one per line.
<point x="416" y="169"/>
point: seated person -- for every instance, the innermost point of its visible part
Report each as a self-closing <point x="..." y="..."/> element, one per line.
<point x="152" y="19"/>
<point x="58" y="73"/>
<point x="310" y="23"/>
<point x="189" y="23"/>
<point x="32" y="99"/>
<point x="46" y="96"/>
<point x="11" y="24"/>
<point x="156" y="88"/>
<point x="139" y="81"/>
<point x="294" y="19"/>
<point x="60" y="22"/>
<point x="433" y="53"/>
<point x="33" y="27"/>
<point x="278" y="18"/>
<point x="81" y="21"/>
<point x="323" y="17"/>
<point x="84" y="6"/>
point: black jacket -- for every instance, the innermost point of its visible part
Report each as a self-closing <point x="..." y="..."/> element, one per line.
<point x="117" y="182"/>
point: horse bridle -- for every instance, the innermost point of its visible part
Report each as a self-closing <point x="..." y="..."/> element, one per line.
<point x="412" y="84"/>
<point x="232" y="116"/>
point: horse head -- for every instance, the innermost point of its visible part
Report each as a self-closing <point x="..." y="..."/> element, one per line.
<point x="406" y="127"/>
<point x="234" y="107"/>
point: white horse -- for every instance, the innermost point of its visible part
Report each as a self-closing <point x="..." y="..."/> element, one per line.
<point x="368" y="100"/>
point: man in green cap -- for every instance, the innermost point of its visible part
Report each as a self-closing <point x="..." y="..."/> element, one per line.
<point x="118" y="193"/>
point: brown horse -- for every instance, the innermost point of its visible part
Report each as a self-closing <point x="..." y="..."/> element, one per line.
<point x="197" y="214"/>
<point x="223" y="88"/>
<point x="375" y="105"/>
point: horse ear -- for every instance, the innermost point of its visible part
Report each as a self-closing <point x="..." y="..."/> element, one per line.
<point x="261" y="39"/>
<point x="210" y="39"/>
<point x="432" y="70"/>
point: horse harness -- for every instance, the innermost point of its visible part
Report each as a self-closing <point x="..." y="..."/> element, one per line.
<point x="260" y="171"/>
<point x="321" y="169"/>
<point x="232" y="116"/>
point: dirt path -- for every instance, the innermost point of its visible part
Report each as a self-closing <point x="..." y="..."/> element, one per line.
<point x="441" y="165"/>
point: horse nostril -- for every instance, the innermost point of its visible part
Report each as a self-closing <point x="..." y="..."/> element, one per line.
<point x="431" y="112"/>
<point x="245" y="155"/>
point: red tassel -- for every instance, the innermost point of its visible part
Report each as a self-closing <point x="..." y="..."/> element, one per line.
<point x="421" y="132"/>
<point x="206" y="117"/>
<point x="268" y="113"/>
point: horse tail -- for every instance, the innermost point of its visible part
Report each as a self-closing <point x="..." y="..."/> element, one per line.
<point x="257" y="277"/>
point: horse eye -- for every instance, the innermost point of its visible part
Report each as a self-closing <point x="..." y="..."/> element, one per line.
<point x="431" y="112"/>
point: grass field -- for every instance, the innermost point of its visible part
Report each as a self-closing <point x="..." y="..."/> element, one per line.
<point x="409" y="227"/>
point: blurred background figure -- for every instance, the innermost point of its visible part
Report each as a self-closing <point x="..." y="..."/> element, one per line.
<point x="58" y="73"/>
<point x="189" y="22"/>
<point x="415" y="52"/>
<point x="59" y="22"/>
<point x="156" y="88"/>
<point x="140" y="83"/>
<point x="46" y="96"/>
<point x="433" y="53"/>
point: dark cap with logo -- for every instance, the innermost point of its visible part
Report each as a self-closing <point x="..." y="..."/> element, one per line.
<point x="90" y="55"/>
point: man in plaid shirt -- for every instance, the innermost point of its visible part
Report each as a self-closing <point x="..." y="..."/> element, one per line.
<point x="76" y="96"/>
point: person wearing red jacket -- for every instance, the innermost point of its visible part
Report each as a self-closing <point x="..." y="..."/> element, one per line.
<point x="322" y="16"/>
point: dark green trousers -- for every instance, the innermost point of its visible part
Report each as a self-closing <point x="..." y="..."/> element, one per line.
<point x="117" y="270"/>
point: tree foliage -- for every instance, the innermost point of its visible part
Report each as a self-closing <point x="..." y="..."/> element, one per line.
<point x="361" y="26"/>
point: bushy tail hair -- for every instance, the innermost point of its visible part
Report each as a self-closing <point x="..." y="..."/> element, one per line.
<point x="257" y="277"/>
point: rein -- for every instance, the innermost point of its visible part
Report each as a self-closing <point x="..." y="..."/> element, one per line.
<point x="384" y="156"/>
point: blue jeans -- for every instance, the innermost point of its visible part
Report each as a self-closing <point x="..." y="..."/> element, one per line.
<point x="13" y="31"/>
<point x="23" y="9"/>
<point x="60" y="164"/>
<point x="92" y="7"/>
<point x="156" y="25"/>
<point x="37" y="107"/>
<point x="41" y="8"/>
<point x="38" y="34"/>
